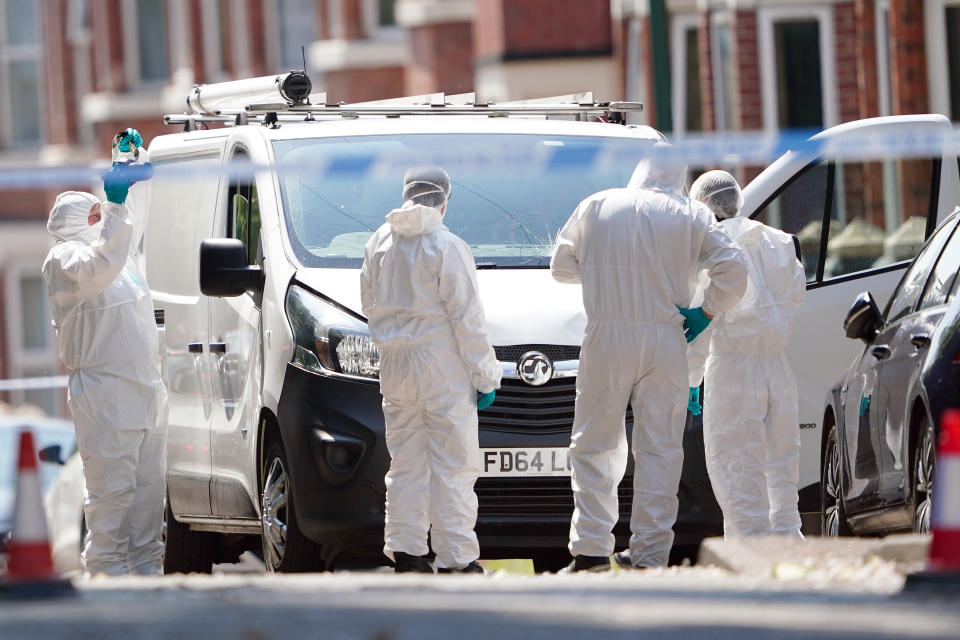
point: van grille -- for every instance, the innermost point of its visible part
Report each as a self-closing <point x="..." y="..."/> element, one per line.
<point x="556" y="352"/>
<point x="519" y="406"/>
<point x="551" y="496"/>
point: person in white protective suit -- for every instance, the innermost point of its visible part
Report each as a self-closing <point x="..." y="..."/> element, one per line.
<point x="419" y="293"/>
<point x="636" y="251"/>
<point x="107" y="337"/>
<point x="750" y="416"/>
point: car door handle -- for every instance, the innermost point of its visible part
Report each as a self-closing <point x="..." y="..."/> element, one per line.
<point x="880" y="352"/>
<point x="218" y="347"/>
<point x="920" y="340"/>
<point x="195" y="347"/>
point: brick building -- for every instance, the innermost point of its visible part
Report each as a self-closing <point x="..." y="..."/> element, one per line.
<point x="72" y="72"/>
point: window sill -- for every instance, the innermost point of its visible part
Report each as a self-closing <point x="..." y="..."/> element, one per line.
<point x="427" y="12"/>
<point x="338" y="55"/>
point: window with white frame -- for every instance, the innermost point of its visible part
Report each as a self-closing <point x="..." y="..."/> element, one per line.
<point x="20" y="73"/>
<point x="380" y="18"/>
<point x="146" y="45"/>
<point x="296" y="26"/>
<point x="942" y="39"/>
<point x="797" y="67"/>
<point x="722" y="63"/>
<point x="218" y="38"/>
<point x="685" y="59"/>
<point x="31" y="339"/>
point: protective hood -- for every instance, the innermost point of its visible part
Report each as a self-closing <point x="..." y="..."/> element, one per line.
<point x="659" y="173"/>
<point x="68" y="218"/>
<point x="414" y="219"/>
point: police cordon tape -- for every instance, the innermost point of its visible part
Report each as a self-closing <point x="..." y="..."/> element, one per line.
<point x="748" y="149"/>
<point x="39" y="382"/>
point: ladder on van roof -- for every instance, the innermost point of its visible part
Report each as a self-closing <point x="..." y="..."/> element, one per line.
<point x="271" y="100"/>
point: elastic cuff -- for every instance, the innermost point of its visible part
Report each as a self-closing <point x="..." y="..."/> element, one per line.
<point x="113" y="209"/>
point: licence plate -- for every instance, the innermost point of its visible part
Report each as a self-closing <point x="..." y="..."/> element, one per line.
<point x="526" y="462"/>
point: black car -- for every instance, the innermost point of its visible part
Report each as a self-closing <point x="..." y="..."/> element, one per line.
<point x="880" y="422"/>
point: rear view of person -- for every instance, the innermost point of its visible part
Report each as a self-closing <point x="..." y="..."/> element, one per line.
<point x="750" y="417"/>
<point x="419" y="294"/>
<point x="636" y="251"/>
<point x="107" y="337"/>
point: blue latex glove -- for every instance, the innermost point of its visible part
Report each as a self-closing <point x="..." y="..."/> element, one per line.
<point x="484" y="400"/>
<point x="125" y="137"/>
<point x="116" y="184"/>
<point x="694" y="322"/>
<point x="693" y="402"/>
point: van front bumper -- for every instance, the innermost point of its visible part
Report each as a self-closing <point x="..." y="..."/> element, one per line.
<point x="333" y="435"/>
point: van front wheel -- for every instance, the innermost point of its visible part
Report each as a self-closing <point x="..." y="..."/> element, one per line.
<point x="285" y="548"/>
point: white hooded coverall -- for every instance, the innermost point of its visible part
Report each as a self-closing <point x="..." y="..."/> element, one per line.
<point x="107" y="337"/>
<point x="636" y="251"/>
<point x="419" y="294"/>
<point x="750" y="416"/>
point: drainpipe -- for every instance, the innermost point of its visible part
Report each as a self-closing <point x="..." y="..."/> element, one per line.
<point x="660" y="50"/>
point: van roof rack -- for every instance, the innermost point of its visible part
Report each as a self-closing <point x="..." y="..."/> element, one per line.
<point x="261" y="106"/>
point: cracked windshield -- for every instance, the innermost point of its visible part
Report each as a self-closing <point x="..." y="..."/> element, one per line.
<point x="510" y="193"/>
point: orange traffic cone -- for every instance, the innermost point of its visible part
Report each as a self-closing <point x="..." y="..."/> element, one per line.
<point x="30" y="571"/>
<point x="943" y="572"/>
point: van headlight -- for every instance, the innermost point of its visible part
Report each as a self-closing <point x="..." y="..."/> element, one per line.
<point x="327" y="339"/>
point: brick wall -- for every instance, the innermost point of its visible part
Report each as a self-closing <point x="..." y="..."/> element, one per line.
<point x="107" y="27"/>
<point x="748" y="110"/>
<point x="60" y="113"/>
<point x="908" y="62"/>
<point x="848" y="93"/>
<point x="361" y="85"/>
<point x="516" y="29"/>
<point x="866" y="55"/>
<point x="441" y="59"/>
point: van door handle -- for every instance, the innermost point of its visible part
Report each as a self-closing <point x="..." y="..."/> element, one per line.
<point x="880" y="352"/>
<point x="920" y="340"/>
<point x="218" y="347"/>
<point x="195" y="347"/>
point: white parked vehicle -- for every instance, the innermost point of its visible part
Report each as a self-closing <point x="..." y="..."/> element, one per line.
<point x="876" y="214"/>
<point x="275" y="426"/>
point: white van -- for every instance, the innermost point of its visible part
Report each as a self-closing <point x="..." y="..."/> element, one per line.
<point x="275" y="427"/>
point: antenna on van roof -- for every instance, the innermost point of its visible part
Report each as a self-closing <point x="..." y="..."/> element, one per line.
<point x="303" y="54"/>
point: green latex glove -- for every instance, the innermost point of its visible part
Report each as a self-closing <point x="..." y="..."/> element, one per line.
<point x="116" y="184"/>
<point x="125" y="137"/>
<point x="484" y="400"/>
<point x="694" y="322"/>
<point x="693" y="402"/>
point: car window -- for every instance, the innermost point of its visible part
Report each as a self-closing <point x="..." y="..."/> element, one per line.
<point x="798" y="209"/>
<point x="944" y="274"/>
<point x="879" y="214"/>
<point x="510" y="195"/>
<point x="245" y="213"/>
<point x="908" y="291"/>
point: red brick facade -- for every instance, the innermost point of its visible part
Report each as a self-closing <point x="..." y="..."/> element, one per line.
<point x="440" y="59"/>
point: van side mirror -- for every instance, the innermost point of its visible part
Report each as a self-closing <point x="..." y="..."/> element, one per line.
<point x="864" y="319"/>
<point x="51" y="454"/>
<point x="224" y="270"/>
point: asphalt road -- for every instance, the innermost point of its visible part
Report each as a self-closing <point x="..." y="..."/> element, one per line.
<point x="700" y="602"/>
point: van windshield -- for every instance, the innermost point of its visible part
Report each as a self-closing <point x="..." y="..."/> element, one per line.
<point x="510" y="193"/>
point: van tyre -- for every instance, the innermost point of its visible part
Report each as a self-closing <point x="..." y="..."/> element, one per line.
<point x="285" y="548"/>
<point x="922" y="474"/>
<point x="186" y="551"/>
<point x="833" y="517"/>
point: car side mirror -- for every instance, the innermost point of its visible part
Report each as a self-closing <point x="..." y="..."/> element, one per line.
<point x="225" y="271"/>
<point x="51" y="454"/>
<point x="864" y="319"/>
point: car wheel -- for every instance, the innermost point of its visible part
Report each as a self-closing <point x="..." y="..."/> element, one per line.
<point x="285" y="548"/>
<point x="924" y="467"/>
<point x="833" y="519"/>
<point x="186" y="551"/>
